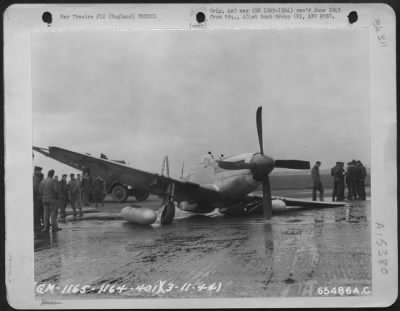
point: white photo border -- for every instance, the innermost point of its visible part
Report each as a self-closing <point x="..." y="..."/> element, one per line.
<point x="21" y="20"/>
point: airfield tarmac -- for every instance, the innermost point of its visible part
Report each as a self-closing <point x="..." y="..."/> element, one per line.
<point x="207" y="256"/>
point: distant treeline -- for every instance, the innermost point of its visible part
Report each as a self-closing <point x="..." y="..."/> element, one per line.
<point x="299" y="181"/>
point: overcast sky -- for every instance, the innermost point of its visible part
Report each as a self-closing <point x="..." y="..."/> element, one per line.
<point x="141" y="95"/>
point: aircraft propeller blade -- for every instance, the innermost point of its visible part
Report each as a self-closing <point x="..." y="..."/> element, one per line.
<point x="264" y="165"/>
<point x="293" y="164"/>
<point x="259" y="129"/>
<point x="239" y="165"/>
<point x="267" y="200"/>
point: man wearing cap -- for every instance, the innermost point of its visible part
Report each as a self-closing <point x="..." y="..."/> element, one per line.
<point x="340" y="181"/>
<point x="98" y="190"/>
<point x="79" y="201"/>
<point x="37" y="199"/>
<point x="63" y="195"/>
<point x="86" y="186"/>
<point x="57" y="182"/>
<point x="49" y="191"/>
<point x="334" y="171"/>
<point x="74" y="192"/>
<point x="357" y="179"/>
<point x="362" y="174"/>
<point x="337" y="172"/>
<point x="351" y="180"/>
<point x="317" y="184"/>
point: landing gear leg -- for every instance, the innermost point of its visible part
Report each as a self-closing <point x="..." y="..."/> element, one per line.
<point x="168" y="207"/>
<point x="168" y="213"/>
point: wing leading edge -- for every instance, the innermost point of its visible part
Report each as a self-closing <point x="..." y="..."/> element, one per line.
<point x="308" y="203"/>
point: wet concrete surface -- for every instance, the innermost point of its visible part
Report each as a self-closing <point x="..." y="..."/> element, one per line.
<point x="207" y="256"/>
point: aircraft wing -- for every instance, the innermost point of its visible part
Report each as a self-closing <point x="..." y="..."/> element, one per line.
<point x="290" y="204"/>
<point x="308" y="203"/>
<point x="138" y="179"/>
<point x="298" y="202"/>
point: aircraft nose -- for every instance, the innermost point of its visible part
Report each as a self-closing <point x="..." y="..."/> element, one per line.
<point x="263" y="166"/>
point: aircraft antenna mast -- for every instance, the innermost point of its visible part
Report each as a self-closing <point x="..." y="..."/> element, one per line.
<point x="183" y="166"/>
<point x="165" y="167"/>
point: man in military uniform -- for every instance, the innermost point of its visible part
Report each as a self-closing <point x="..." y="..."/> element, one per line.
<point x="334" y="171"/>
<point x="362" y="174"/>
<point x="357" y="180"/>
<point x="98" y="190"/>
<point x="79" y="201"/>
<point x="86" y="186"/>
<point x="351" y="179"/>
<point x="37" y="199"/>
<point x="74" y="192"/>
<point x="207" y="159"/>
<point x="63" y="195"/>
<point x="49" y="192"/>
<point x="317" y="184"/>
<point x="57" y="182"/>
<point x="340" y="173"/>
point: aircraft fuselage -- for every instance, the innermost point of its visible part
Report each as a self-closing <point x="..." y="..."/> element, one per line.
<point x="231" y="184"/>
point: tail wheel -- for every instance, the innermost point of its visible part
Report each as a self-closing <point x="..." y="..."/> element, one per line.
<point x="168" y="213"/>
<point x="119" y="193"/>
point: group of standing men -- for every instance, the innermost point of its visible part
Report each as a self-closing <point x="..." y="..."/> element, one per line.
<point x="51" y="195"/>
<point x="354" y="177"/>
